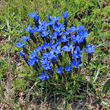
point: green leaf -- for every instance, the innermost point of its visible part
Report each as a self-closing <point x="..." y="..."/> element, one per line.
<point x="105" y="43"/>
<point x="79" y="96"/>
<point x="106" y="86"/>
<point x="96" y="75"/>
<point x="105" y="102"/>
<point x="22" y="73"/>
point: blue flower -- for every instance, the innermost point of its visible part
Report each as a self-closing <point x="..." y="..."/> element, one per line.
<point x="47" y="66"/>
<point x="74" y="39"/>
<point x="71" y="29"/>
<point x="20" y="44"/>
<point x="44" y="33"/>
<point x="29" y="29"/>
<point x="45" y="45"/>
<point x="68" y="68"/>
<point x="32" y="61"/>
<point x="57" y="29"/>
<point x="38" y="49"/>
<point x="89" y="48"/>
<point x="48" y="55"/>
<point x="36" y="18"/>
<point x="23" y="55"/>
<point x="33" y="55"/>
<point x="55" y="19"/>
<point x="39" y="29"/>
<point x="64" y="39"/>
<point x="65" y="33"/>
<point x="54" y="36"/>
<point x="43" y="76"/>
<point x="59" y="70"/>
<point x="32" y="15"/>
<point x="80" y="27"/>
<point x="77" y="52"/>
<point x="57" y="50"/>
<point x="44" y="61"/>
<point x="25" y="38"/>
<point x="48" y="17"/>
<point x="76" y="63"/>
<point x="66" y="48"/>
<point x="60" y="25"/>
<point x="54" y="45"/>
<point x="65" y="14"/>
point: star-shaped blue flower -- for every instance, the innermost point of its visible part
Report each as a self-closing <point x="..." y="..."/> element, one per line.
<point x="19" y="44"/>
<point x="66" y="48"/>
<point x="76" y="63"/>
<point x="29" y="29"/>
<point x="65" y="14"/>
<point x="43" y="76"/>
<point x="32" y="15"/>
<point x="59" y="70"/>
<point x="64" y="39"/>
<point x="32" y="61"/>
<point x="68" y="68"/>
<point x="33" y="55"/>
<point x="77" y="52"/>
<point x="90" y="49"/>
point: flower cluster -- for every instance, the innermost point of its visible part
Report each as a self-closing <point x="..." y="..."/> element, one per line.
<point x="58" y="40"/>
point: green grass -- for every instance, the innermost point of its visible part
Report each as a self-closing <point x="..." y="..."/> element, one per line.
<point x="94" y="14"/>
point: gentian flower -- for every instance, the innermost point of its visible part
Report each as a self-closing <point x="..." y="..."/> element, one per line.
<point x="49" y="55"/>
<point x="73" y="39"/>
<point x="32" y="61"/>
<point x="52" y="36"/>
<point x="33" y="55"/>
<point x="68" y="68"/>
<point x="23" y="55"/>
<point x="45" y="45"/>
<point x="59" y="70"/>
<point x="57" y="29"/>
<point x="20" y="44"/>
<point x="57" y="50"/>
<point x="80" y="27"/>
<point x="60" y="25"/>
<point x="65" y="33"/>
<point x="65" y="14"/>
<point x="71" y="29"/>
<point x="54" y="45"/>
<point x="47" y="66"/>
<point x="76" y="63"/>
<point x="38" y="49"/>
<point x="55" y="19"/>
<point x="64" y="39"/>
<point x="77" y="52"/>
<point x="48" y="17"/>
<point x="32" y="15"/>
<point x="29" y="29"/>
<point x="39" y="29"/>
<point x="36" y="18"/>
<point x="44" y="61"/>
<point x="43" y="76"/>
<point x="89" y="49"/>
<point x="66" y="48"/>
<point x="44" y="33"/>
<point x="25" y="38"/>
